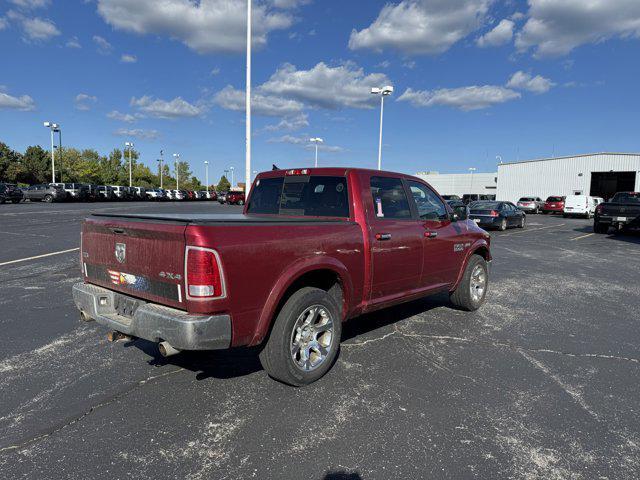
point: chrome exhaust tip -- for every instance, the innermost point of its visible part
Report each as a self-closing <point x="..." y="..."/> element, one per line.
<point x="166" y="350"/>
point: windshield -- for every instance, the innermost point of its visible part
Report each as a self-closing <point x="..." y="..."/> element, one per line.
<point x="316" y="196"/>
<point x="626" y="198"/>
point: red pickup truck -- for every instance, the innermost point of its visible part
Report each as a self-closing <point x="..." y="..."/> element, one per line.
<point x="313" y="248"/>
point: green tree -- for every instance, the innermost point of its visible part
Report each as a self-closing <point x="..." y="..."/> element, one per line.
<point x="110" y="167"/>
<point x="36" y="163"/>
<point x="223" y="185"/>
<point x="10" y="166"/>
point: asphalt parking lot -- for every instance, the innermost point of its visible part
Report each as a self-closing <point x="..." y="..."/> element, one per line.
<point x="542" y="382"/>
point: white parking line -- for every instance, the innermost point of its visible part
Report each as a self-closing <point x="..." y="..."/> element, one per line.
<point x="39" y="256"/>
<point x="583" y="236"/>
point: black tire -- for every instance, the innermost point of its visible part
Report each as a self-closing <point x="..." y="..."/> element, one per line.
<point x="240" y="202"/>
<point x="15" y="201"/>
<point x="47" y="198"/>
<point x="601" y="228"/>
<point x="2" y="200"/>
<point x="462" y="297"/>
<point x="276" y="357"/>
<point x="503" y="225"/>
<point x="544" y="212"/>
<point x="564" y="215"/>
<point x="523" y="222"/>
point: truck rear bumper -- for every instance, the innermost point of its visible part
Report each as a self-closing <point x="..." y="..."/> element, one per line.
<point x="151" y="321"/>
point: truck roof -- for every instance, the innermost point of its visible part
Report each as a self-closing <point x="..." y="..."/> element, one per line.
<point x="338" y="171"/>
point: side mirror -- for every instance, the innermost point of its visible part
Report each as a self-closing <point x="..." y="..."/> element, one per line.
<point x="460" y="213"/>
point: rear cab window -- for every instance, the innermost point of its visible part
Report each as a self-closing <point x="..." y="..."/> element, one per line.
<point x="301" y="195"/>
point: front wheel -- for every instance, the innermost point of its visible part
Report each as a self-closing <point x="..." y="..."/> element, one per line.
<point x="48" y="198"/>
<point x="472" y="289"/>
<point x="305" y="339"/>
<point x="240" y="202"/>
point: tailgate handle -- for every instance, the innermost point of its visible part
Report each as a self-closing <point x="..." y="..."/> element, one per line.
<point x="118" y="231"/>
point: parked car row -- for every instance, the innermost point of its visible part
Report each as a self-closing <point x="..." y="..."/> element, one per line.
<point x="572" y="205"/>
<point x="82" y="192"/>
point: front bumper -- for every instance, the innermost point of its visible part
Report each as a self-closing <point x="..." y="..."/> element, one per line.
<point x="151" y="321"/>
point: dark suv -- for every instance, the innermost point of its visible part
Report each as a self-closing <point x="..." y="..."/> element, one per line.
<point x="10" y="193"/>
<point x="45" y="193"/>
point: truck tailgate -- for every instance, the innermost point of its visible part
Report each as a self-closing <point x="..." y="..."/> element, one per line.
<point x="137" y="258"/>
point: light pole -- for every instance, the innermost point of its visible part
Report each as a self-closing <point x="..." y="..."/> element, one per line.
<point x="231" y="169"/>
<point x="161" y="160"/>
<point x="316" y="140"/>
<point x="52" y="127"/>
<point x="176" y="157"/>
<point x="383" y="92"/>
<point x="129" y="145"/>
<point x="472" y="169"/>
<point x="206" y="170"/>
<point x="499" y="158"/>
<point x="247" y="162"/>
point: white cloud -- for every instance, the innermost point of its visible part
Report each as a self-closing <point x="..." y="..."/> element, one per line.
<point x="30" y="4"/>
<point x="555" y="28"/>
<point x="3" y="23"/>
<point x="128" y="58"/>
<point x="215" y="71"/>
<point x="500" y="35"/>
<point x="167" y="109"/>
<point x="290" y="3"/>
<point x="104" y="47"/>
<point x="464" y="98"/>
<point x="24" y="103"/>
<point x="233" y="99"/>
<point x="290" y="123"/>
<point x="205" y="26"/>
<point x="84" y="102"/>
<point x="137" y="133"/>
<point x="422" y="27"/>
<point x="326" y="87"/>
<point x="39" y="29"/>
<point x="121" y="117"/>
<point x="525" y="81"/>
<point x="73" y="42"/>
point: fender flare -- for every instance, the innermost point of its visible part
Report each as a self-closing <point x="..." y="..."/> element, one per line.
<point x="480" y="244"/>
<point x="289" y="276"/>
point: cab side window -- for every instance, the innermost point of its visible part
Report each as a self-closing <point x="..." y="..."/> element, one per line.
<point x="429" y="206"/>
<point x="389" y="198"/>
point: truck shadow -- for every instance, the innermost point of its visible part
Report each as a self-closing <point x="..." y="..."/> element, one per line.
<point x="239" y="362"/>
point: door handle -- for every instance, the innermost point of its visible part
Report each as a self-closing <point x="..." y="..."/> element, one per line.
<point x="383" y="236"/>
<point x="430" y="234"/>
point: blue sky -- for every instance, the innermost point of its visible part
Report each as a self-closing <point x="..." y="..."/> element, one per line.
<point x="473" y="79"/>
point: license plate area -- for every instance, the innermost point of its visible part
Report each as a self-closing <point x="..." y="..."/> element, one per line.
<point x="621" y="219"/>
<point x="125" y="306"/>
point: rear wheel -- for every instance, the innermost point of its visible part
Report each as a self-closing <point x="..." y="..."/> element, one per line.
<point x="472" y="289"/>
<point x="503" y="225"/>
<point x="600" y="227"/>
<point x="305" y="338"/>
<point x="48" y="198"/>
<point x="240" y="202"/>
<point x="523" y="222"/>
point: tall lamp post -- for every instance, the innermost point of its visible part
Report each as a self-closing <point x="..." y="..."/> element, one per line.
<point x="383" y="92"/>
<point x="160" y="161"/>
<point x="499" y="159"/>
<point x="53" y="127"/>
<point x="176" y="157"/>
<point x="247" y="166"/>
<point x="472" y="169"/>
<point x="206" y="174"/>
<point x="231" y="169"/>
<point x="129" y="145"/>
<point x="316" y="140"/>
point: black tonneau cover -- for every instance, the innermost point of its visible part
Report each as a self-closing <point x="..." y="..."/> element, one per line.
<point x="219" y="219"/>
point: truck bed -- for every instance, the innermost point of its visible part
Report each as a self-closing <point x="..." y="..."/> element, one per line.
<point x="221" y="219"/>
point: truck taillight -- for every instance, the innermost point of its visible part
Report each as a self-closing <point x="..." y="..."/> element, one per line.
<point x="494" y="214"/>
<point x="204" y="276"/>
<point x="297" y="172"/>
<point x="599" y="209"/>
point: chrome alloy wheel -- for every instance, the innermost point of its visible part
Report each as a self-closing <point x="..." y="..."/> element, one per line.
<point x="311" y="338"/>
<point x="478" y="283"/>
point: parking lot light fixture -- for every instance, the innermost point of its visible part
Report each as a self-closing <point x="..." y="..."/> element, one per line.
<point x="316" y="140"/>
<point x="176" y="157"/>
<point x="471" y="170"/>
<point x="53" y="127"/>
<point x="161" y="160"/>
<point x="383" y="92"/>
<point x="499" y="159"/>
<point x="231" y="169"/>
<point x="129" y="145"/>
<point x="206" y="173"/>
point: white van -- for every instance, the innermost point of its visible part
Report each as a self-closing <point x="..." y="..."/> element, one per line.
<point x="581" y="205"/>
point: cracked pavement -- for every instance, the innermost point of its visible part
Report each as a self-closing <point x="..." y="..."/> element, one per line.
<point x="542" y="382"/>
